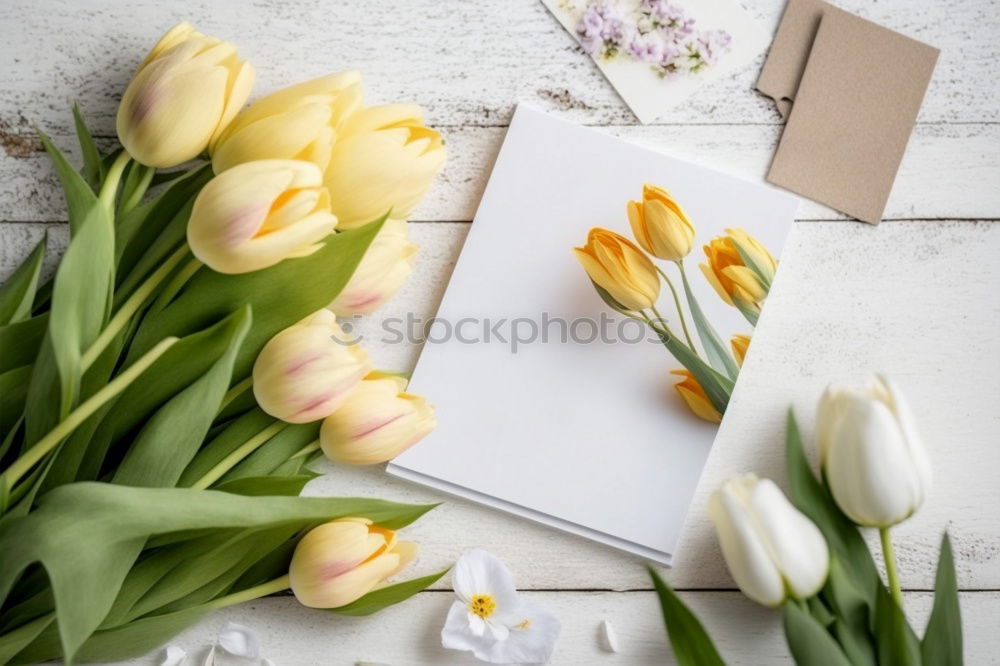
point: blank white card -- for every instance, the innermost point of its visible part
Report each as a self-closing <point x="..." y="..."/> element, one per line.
<point x="585" y="435"/>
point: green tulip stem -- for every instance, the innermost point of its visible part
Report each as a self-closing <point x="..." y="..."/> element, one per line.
<point x="179" y="280"/>
<point x="235" y="392"/>
<point x="41" y="448"/>
<point x="239" y="454"/>
<point x="109" y="188"/>
<point x="306" y="450"/>
<point x="130" y="307"/>
<point x="890" y="566"/>
<point x="677" y="304"/>
<point x="140" y="189"/>
<point x="251" y="593"/>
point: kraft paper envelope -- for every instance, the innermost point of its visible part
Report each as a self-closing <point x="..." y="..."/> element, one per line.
<point x="853" y="112"/>
<point x="786" y="60"/>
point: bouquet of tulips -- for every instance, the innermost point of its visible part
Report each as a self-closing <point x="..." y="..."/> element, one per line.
<point x="738" y="267"/>
<point x="809" y="558"/>
<point x="165" y="392"/>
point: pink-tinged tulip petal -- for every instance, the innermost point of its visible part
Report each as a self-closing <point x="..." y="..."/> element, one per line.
<point x="258" y="214"/>
<point x="181" y="97"/>
<point x="341" y="561"/>
<point x="376" y="422"/>
<point x="305" y="372"/>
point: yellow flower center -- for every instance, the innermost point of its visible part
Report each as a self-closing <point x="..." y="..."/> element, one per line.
<point x="482" y="605"/>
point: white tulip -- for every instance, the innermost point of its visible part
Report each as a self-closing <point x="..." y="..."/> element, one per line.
<point x="872" y="457"/>
<point x="773" y="551"/>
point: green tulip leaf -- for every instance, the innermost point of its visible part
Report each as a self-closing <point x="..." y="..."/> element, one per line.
<point x="808" y="640"/>
<point x="109" y="525"/>
<point x="151" y="232"/>
<point x="852" y="615"/>
<point x="897" y="644"/>
<point x="280" y="295"/>
<point x="21" y="342"/>
<point x="14" y="389"/>
<point x="80" y="197"/>
<point x="287" y="485"/>
<point x="275" y="452"/>
<point x="749" y="310"/>
<point x="13" y="642"/>
<point x="813" y="499"/>
<point x="80" y="297"/>
<point x="718" y="353"/>
<point x="942" y="643"/>
<point x="93" y="171"/>
<point x="691" y="644"/>
<point x="235" y="435"/>
<point x="182" y="365"/>
<point x="18" y="292"/>
<point x="387" y="596"/>
<point x="717" y="386"/>
<point x="172" y="436"/>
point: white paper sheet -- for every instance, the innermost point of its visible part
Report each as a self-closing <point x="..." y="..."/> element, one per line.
<point x="590" y="438"/>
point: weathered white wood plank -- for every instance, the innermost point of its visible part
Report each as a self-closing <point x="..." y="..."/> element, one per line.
<point x="949" y="171"/>
<point x="410" y="633"/>
<point x="928" y="317"/>
<point x="466" y="62"/>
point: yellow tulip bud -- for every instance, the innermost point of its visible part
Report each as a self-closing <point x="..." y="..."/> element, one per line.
<point x="740" y="343"/>
<point x="387" y="263"/>
<point x="660" y="225"/>
<point x="376" y="423"/>
<point x="300" y="123"/>
<point x="181" y="97"/>
<point x="308" y="370"/>
<point x="695" y="398"/>
<point x="729" y="274"/>
<point x="384" y="158"/>
<point x="258" y="214"/>
<point x="341" y="561"/>
<point x="620" y="268"/>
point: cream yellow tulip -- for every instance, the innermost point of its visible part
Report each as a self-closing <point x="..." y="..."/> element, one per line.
<point x="387" y="263"/>
<point x="620" y="268"/>
<point x="660" y="225"/>
<point x="695" y="398"/>
<point x="258" y="214"/>
<point x="383" y="159"/>
<point x="308" y="370"/>
<point x="376" y="422"/>
<point x="300" y="122"/>
<point x="735" y="281"/>
<point x="341" y="561"/>
<point x="181" y="97"/>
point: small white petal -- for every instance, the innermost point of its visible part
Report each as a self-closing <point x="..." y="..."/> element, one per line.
<point x="210" y="657"/>
<point x="457" y="634"/>
<point x="480" y="572"/>
<point x="174" y="656"/>
<point x="240" y="641"/>
<point x="606" y="637"/>
<point x="531" y="641"/>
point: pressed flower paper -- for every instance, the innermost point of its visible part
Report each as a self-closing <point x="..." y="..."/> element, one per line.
<point x="657" y="53"/>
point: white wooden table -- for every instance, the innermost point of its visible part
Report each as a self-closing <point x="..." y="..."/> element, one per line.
<point x="917" y="297"/>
